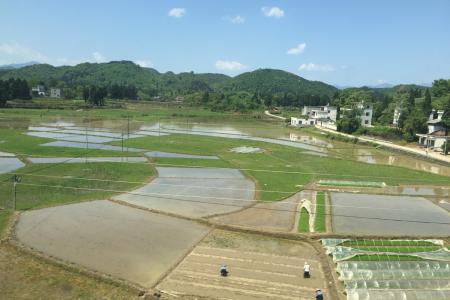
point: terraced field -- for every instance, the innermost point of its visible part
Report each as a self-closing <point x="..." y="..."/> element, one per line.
<point x="264" y="268"/>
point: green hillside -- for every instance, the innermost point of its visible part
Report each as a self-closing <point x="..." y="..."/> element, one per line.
<point x="152" y="83"/>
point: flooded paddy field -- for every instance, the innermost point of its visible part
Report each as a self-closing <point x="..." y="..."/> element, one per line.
<point x="74" y="160"/>
<point x="260" y="268"/>
<point x="194" y="192"/>
<point x="362" y="214"/>
<point x="110" y="238"/>
<point x="274" y="216"/>
<point x="177" y="155"/>
<point x="9" y="164"/>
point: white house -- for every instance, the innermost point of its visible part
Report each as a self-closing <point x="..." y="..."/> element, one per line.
<point x="325" y="113"/>
<point x="435" y="138"/>
<point x="315" y="115"/>
<point x="366" y="113"/>
<point x="55" y="93"/>
<point x="397" y="113"/>
<point x="38" y="90"/>
<point x="302" y="122"/>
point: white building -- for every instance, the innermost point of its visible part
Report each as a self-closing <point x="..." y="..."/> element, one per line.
<point x="302" y="122"/>
<point x="38" y="90"/>
<point x="435" y="138"/>
<point x="325" y="113"/>
<point x="55" y="93"/>
<point x="397" y="113"/>
<point x="315" y="115"/>
<point x="366" y="113"/>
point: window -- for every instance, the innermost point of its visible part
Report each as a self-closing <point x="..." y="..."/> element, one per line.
<point x="366" y="122"/>
<point x="367" y="113"/>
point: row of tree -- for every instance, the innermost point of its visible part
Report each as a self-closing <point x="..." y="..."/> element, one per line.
<point x="13" y="89"/>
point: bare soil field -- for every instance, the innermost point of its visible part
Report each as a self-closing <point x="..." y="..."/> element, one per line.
<point x="124" y="242"/>
<point x="271" y="216"/>
<point x="194" y="192"/>
<point x="361" y="214"/>
<point x="260" y="268"/>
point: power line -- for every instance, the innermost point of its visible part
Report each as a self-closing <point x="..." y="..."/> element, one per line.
<point x="68" y="177"/>
<point x="230" y="204"/>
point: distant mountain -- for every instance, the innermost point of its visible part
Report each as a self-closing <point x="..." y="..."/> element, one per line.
<point x="18" y="66"/>
<point x="153" y="82"/>
<point x="382" y="86"/>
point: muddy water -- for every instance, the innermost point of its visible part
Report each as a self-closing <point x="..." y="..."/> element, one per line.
<point x="251" y="129"/>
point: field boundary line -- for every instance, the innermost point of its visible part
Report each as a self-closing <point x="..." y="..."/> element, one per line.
<point x="13" y="241"/>
<point x="179" y="261"/>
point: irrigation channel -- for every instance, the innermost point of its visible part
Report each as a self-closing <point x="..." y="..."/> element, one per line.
<point x="159" y="229"/>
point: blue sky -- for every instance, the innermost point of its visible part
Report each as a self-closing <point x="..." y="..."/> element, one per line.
<point x="340" y="42"/>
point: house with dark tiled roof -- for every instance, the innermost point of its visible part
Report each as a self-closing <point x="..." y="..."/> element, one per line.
<point x="436" y="136"/>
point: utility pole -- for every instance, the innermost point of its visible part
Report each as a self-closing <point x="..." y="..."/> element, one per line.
<point x="16" y="180"/>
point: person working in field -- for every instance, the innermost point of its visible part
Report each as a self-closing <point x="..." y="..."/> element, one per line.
<point x="306" y="270"/>
<point x="224" y="270"/>
<point x="319" y="295"/>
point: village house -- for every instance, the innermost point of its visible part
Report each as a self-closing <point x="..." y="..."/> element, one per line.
<point x="316" y="115"/>
<point x="397" y="114"/>
<point x="365" y="113"/>
<point x="56" y="93"/>
<point x="435" y="138"/>
<point x="38" y="90"/>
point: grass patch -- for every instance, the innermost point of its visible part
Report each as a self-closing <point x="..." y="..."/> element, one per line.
<point x="351" y="183"/>
<point x="65" y="175"/>
<point x="191" y="162"/>
<point x="384" y="257"/>
<point x="387" y="243"/>
<point x="15" y="141"/>
<point x="303" y="224"/>
<point x="400" y="249"/>
<point x="320" y="222"/>
<point x="4" y="218"/>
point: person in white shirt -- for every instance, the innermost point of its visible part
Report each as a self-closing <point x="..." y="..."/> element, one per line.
<point x="306" y="270"/>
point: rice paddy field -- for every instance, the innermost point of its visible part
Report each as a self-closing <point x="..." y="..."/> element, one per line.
<point x="133" y="195"/>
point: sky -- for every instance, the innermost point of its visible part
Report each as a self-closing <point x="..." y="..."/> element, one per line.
<point x="345" y="42"/>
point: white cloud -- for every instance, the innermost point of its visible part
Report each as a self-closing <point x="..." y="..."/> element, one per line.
<point x="98" y="57"/>
<point x="177" y="12"/>
<point x="14" y="53"/>
<point x="297" y="50"/>
<point x="382" y="81"/>
<point x="229" y="65"/>
<point x="144" y="63"/>
<point x="237" y="19"/>
<point x="274" y="12"/>
<point x="316" y="67"/>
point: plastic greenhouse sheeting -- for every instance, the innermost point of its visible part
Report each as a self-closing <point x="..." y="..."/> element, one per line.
<point x="393" y="265"/>
<point x="397" y="295"/>
<point x="341" y="253"/>
<point x="392" y="280"/>
<point x="394" y="274"/>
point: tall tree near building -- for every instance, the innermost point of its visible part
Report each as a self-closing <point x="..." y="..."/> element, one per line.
<point x="427" y="106"/>
<point x="446" y="122"/>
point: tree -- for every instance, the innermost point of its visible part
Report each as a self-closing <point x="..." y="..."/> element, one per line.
<point x="446" y="117"/>
<point x="416" y="122"/>
<point x="426" y="105"/>
<point x="350" y="122"/>
<point x="440" y="87"/>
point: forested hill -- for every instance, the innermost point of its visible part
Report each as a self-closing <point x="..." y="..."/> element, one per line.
<point x="152" y="83"/>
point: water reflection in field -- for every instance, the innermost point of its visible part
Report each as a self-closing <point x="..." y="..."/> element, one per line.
<point x="245" y="129"/>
